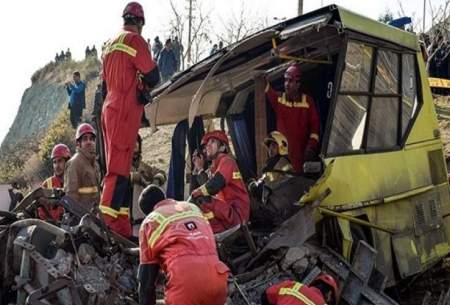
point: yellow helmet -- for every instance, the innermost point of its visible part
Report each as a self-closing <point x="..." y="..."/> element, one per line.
<point x="280" y="139"/>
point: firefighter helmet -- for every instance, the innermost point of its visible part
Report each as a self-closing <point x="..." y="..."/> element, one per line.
<point x="280" y="139"/>
<point x="293" y="72"/>
<point x="60" y="151"/>
<point x="133" y="9"/>
<point x="330" y="281"/>
<point x="149" y="197"/>
<point x="84" y="129"/>
<point x="216" y="134"/>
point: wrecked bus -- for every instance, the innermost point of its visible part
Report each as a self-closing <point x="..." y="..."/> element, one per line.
<point x="381" y="154"/>
<point x="372" y="212"/>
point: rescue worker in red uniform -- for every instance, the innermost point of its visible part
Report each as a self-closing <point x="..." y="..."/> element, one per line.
<point x="178" y="239"/>
<point x="60" y="155"/>
<point x="322" y="291"/>
<point x="129" y="73"/>
<point x="223" y="197"/>
<point x="297" y="118"/>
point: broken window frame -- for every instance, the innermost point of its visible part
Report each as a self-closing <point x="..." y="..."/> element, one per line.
<point x="377" y="45"/>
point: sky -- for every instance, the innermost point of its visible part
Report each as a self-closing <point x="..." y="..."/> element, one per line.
<point x="33" y="31"/>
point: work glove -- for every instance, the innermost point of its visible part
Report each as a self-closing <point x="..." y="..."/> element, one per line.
<point x="144" y="97"/>
<point x="197" y="193"/>
<point x="255" y="188"/>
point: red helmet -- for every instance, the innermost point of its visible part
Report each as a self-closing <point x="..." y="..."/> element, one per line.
<point x="84" y="129"/>
<point x="293" y="71"/>
<point x="216" y="134"/>
<point x="60" y="151"/>
<point x="133" y="9"/>
<point x="330" y="281"/>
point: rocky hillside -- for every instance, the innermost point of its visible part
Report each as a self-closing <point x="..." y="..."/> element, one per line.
<point x="45" y="99"/>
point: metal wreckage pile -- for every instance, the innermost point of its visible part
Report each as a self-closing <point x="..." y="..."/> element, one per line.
<point x="79" y="261"/>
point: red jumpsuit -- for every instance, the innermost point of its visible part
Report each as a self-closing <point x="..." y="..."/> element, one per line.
<point x="230" y="202"/>
<point x="56" y="211"/>
<point x="178" y="238"/>
<point x="294" y="293"/>
<point x="123" y="58"/>
<point x="299" y="122"/>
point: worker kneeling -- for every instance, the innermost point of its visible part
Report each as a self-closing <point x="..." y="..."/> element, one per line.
<point x="223" y="198"/>
<point x="176" y="237"/>
<point x="323" y="290"/>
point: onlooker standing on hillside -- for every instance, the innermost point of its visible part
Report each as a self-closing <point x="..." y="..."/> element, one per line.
<point x="157" y="47"/>
<point x="125" y="56"/>
<point x="68" y="55"/>
<point x="76" y="91"/>
<point x="94" y="52"/>
<point x="177" y="50"/>
<point x="166" y="62"/>
<point x="87" y="52"/>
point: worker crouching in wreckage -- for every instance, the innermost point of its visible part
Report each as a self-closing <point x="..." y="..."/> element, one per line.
<point x="277" y="168"/>
<point x="277" y="164"/>
<point x="178" y="239"/>
<point x="323" y="290"/>
<point x="82" y="175"/>
<point x="141" y="175"/>
<point x="221" y="195"/>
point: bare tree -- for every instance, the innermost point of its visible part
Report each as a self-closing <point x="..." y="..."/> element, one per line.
<point x="200" y="23"/>
<point x="437" y="38"/>
<point x="241" y="25"/>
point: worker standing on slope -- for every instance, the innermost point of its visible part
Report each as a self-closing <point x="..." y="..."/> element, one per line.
<point x="129" y="73"/>
<point x="60" y="155"/>
<point x="178" y="239"/>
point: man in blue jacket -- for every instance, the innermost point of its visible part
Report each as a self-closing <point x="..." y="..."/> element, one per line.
<point x="76" y="91"/>
<point x="167" y="62"/>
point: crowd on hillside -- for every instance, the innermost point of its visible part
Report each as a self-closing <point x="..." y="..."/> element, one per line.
<point x="168" y="56"/>
<point x="63" y="56"/>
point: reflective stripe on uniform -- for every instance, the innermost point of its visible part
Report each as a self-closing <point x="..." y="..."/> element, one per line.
<point x="49" y="183"/>
<point x="303" y="104"/>
<point x="120" y="46"/>
<point x="208" y="215"/>
<point x="88" y="190"/>
<point x="113" y="213"/>
<point x="165" y="221"/>
<point x="286" y="167"/>
<point x="204" y="190"/>
<point x="439" y="82"/>
<point x="294" y="291"/>
<point x="314" y="136"/>
<point x="237" y="175"/>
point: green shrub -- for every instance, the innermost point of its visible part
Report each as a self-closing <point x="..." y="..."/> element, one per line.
<point x="60" y="131"/>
